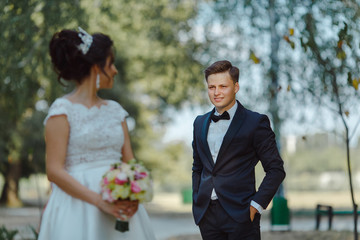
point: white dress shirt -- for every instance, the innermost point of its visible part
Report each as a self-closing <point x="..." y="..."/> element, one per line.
<point x="216" y="133"/>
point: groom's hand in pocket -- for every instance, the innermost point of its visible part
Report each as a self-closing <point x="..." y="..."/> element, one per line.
<point x="253" y="211"/>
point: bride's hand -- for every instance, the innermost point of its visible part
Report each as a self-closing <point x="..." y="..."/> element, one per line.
<point x="119" y="208"/>
<point x="128" y="207"/>
<point x="112" y="209"/>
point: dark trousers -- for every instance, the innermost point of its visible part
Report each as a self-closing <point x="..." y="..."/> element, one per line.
<point x="218" y="225"/>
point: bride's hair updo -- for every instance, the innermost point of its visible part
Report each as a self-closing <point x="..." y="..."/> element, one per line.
<point x="69" y="61"/>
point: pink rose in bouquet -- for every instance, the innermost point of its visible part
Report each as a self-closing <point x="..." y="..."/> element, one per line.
<point x="126" y="181"/>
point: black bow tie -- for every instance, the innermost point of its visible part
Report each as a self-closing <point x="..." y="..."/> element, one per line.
<point x="224" y="116"/>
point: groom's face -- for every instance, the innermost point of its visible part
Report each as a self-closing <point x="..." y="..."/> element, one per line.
<point x="222" y="91"/>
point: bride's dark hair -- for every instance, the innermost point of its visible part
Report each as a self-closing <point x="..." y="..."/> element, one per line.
<point x="69" y="62"/>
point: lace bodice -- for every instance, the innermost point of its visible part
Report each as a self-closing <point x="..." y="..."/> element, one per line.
<point x="96" y="134"/>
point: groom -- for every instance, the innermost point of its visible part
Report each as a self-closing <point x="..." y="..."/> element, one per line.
<point x="228" y="143"/>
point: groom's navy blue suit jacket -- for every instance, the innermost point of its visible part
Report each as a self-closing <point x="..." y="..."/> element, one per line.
<point x="249" y="139"/>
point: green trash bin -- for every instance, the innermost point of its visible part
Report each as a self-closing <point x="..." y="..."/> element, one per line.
<point x="186" y="195"/>
<point x="280" y="214"/>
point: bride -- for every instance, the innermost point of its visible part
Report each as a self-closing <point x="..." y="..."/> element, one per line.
<point x="84" y="135"/>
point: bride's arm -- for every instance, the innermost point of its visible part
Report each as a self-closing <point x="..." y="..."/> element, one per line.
<point x="127" y="155"/>
<point x="126" y="151"/>
<point x="56" y="137"/>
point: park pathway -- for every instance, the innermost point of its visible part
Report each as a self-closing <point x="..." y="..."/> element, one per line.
<point x="169" y="217"/>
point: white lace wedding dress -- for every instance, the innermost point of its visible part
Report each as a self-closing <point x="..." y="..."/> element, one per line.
<point x="95" y="142"/>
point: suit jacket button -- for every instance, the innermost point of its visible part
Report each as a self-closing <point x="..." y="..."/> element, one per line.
<point x="214" y="175"/>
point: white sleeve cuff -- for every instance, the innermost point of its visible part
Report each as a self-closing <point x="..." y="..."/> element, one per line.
<point x="257" y="206"/>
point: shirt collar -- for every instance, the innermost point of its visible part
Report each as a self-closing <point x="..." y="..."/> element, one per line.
<point x="231" y="111"/>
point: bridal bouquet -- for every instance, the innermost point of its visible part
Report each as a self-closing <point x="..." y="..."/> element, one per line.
<point x="126" y="181"/>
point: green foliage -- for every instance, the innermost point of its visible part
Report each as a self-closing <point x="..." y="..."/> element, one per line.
<point x="26" y="28"/>
<point x="334" y="62"/>
<point x="333" y="59"/>
<point x="35" y="232"/>
<point x="171" y="165"/>
<point x="31" y="153"/>
<point x="316" y="161"/>
<point x="17" y="83"/>
<point x="333" y="56"/>
<point x="318" y="164"/>
<point x="251" y="37"/>
<point x="6" y="234"/>
<point x="155" y="55"/>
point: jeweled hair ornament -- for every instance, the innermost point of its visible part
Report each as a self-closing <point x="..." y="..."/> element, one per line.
<point x="87" y="40"/>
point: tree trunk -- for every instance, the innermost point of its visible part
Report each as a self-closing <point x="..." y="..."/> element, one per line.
<point x="274" y="69"/>
<point x="10" y="192"/>
<point x="350" y="181"/>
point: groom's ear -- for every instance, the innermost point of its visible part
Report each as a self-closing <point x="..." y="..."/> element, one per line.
<point x="237" y="87"/>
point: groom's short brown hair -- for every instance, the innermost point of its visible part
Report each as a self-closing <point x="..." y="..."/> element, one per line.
<point x="222" y="66"/>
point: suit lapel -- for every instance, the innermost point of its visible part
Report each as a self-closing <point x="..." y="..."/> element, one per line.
<point x="204" y="133"/>
<point x="234" y="127"/>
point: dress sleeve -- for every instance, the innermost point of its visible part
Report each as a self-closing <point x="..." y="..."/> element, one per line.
<point x="122" y="113"/>
<point x="59" y="107"/>
<point x="119" y="111"/>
